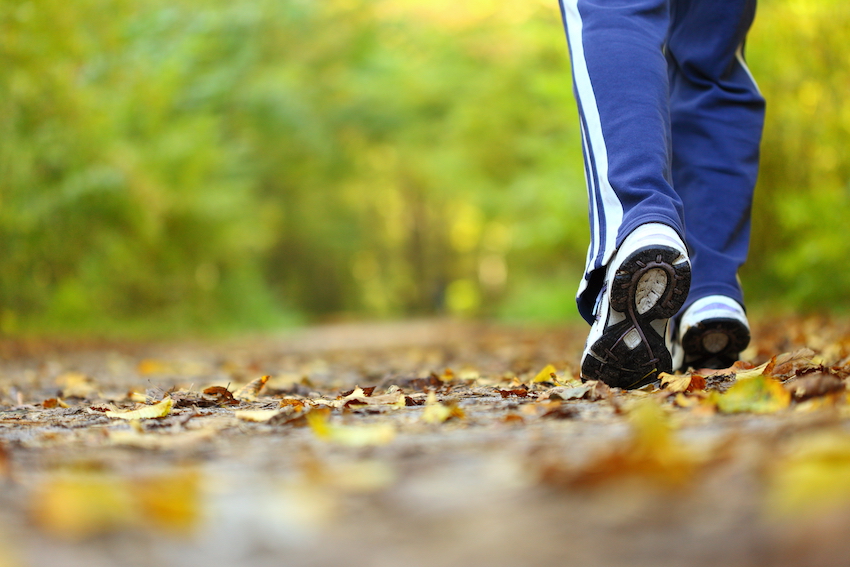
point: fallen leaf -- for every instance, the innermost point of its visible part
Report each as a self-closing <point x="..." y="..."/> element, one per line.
<point x="436" y="412"/>
<point x="684" y="401"/>
<point x="139" y="397"/>
<point x="160" y="409"/>
<point x="564" y="393"/>
<point x="815" y="385"/>
<point x="652" y="453"/>
<point x="294" y="404"/>
<point x="548" y="374"/>
<point x="250" y="391"/>
<point x="77" y="385"/>
<point x="790" y="363"/>
<point x="518" y="392"/>
<point x="682" y="383"/>
<point x="813" y="477"/>
<point x="760" y="394"/>
<point x="78" y="506"/>
<point x="349" y="435"/>
<point x="223" y="395"/>
<point x="748" y="373"/>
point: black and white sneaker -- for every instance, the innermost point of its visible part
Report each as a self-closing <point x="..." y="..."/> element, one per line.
<point x="711" y="333"/>
<point x="647" y="282"/>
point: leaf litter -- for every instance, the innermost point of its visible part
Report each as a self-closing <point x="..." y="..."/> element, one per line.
<point x="331" y="426"/>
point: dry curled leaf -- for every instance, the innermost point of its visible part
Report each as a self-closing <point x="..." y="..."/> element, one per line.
<point x="682" y="383"/>
<point x="517" y="392"/>
<point x="296" y="405"/>
<point x="814" y="385"/>
<point x="250" y="391"/>
<point x="564" y="393"/>
<point x="789" y="364"/>
<point x="222" y="395"/>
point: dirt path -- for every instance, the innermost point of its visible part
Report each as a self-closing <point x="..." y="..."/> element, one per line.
<point x="469" y="451"/>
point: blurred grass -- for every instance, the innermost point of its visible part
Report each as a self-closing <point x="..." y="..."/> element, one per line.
<point x="211" y="166"/>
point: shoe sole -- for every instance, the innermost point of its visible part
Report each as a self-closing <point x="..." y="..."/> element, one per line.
<point x="714" y="343"/>
<point x="647" y="287"/>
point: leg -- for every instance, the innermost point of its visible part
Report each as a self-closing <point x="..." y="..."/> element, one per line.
<point x="637" y="272"/>
<point x="621" y="86"/>
<point x="717" y="115"/>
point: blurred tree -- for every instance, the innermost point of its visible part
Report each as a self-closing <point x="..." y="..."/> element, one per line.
<point x="169" y="166"/>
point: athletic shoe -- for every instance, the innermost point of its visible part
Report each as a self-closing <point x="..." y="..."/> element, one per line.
<point x="646" y="283"/>
<point x="711" y="333"/>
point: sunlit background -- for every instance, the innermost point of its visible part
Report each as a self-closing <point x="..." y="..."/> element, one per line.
<point x="222" y="166"/>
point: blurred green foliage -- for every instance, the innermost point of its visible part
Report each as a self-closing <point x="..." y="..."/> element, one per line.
<point x="171" y="166"/>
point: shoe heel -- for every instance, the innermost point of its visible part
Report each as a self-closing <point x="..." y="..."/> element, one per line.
<point x="651" y="283"/>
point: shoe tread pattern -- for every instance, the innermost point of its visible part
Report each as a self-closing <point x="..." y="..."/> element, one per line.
<point x="696" y="353"/>
<point x="610" y="359"/>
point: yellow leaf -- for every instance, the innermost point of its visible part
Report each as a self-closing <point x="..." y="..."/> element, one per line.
<point x="751" y="373"/>
<point x="435" y="412"/>
<point x="683" y="383"/>
<point x="684" y="401"/>
<point x="250" y="391"/>
<point x="760" y="394"/>
<point x="813" y="478"/>
<point x="161" y="409"/>
<point x="546" y="375"/>
<point x="349" y="435"/>
<point x="77" y="507"/>
<point x="137" y="397"/>
<point x="77" y="385"/>
<point x="82" y="505"/>
<point x="653" y="453"/>
<point x="675" y="383"/>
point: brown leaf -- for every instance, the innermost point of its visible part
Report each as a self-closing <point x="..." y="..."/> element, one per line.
<point x="296" y="405"/>
<point x="432" y="382"/>
<point x="815" y="385"/>
<point x="518" y="392"/>
<point x="222" y="394"/>
<point x="187" y="398"/>
<point x="790" y="363"/>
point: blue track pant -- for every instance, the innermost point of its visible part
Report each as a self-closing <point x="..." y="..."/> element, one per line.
<point x="671" y="123"/>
